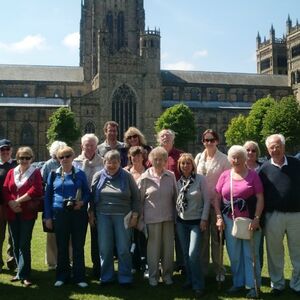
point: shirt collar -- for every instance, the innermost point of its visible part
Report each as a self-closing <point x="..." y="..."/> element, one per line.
<point x="285" y="163"/>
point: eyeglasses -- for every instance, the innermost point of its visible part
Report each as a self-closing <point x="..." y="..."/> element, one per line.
<point x="4" y="149"/>
<point x="209" y="140"/>
<point x="132" y="136"/>
<point x="25" y="158"/>
<point x="65" y="156"/>
<point x="251" y="150"/>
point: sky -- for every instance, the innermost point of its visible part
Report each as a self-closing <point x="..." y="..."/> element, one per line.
<point x="200" y="35"/>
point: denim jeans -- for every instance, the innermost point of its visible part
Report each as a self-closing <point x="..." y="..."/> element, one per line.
<point x="111" y="230"/>
<point x="190" y="241"/>
<point x="70" y="224"/>
<point x="240" y="256"/>
<point x="21" y="232"/>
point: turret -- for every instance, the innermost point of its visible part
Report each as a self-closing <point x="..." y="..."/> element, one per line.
<point x="288" y="24"/>
<point x="258" y="40"/>
<point x="272" y="34"/>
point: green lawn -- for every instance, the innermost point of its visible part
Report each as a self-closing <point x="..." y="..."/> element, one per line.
<point x="44" y="280"/>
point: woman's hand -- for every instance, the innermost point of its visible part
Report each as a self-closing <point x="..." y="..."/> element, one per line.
<point x="220" y="223"/>
<point x="133" y="221"/>
<point x="15" y="206"/>
<point x="49" y="224"/>
<point x="203" y="225"/>
<point x="78" y="205"/>
<point x="254" y="225"/>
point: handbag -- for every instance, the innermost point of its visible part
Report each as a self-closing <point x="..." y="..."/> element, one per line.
<point x="240" y="228"/>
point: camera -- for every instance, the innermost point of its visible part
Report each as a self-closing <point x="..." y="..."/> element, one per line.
<point x="69" y="203"/>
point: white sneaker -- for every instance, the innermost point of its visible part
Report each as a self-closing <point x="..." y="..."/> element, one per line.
<point x="146" y="274"/>
<point x="82" y="284"/>
<point x="58" y="283"/>
<point x="220" y="278"/>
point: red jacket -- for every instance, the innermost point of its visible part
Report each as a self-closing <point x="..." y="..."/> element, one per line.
<point x="33" y="187"/>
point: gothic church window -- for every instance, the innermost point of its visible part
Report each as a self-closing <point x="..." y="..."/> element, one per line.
<point x="120" y="29"/>
<point x="124" y="108"/>
<point x="110" y="28"/>
<point x="27" y="135"/>
<point x="90" y="128"/>
<point x="295" y="51"/>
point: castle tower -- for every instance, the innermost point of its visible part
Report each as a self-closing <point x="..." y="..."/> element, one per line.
<point x="271" y="54"/>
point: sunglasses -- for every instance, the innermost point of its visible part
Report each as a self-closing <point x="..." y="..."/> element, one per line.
<point x="4" y="149"/>
<point x="132" y="136"/>
<point x="65" y="156"/>
<point x="25" y="158"/>
<point x="251" y="150"/>
<point x="209" y="140"/>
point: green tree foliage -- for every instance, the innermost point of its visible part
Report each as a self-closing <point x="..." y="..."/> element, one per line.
<point x="236" y="132"/>
<point x="63" y="127"/>
<point x="255" y="119"/>
<point x="284" y="118"/>
<point x="180" y="119"/>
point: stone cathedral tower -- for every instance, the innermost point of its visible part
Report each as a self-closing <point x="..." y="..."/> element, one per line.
<point x="121" y="62"/>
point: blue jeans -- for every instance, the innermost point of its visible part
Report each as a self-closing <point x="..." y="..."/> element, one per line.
<point x="111" y="230"/>
<point x="21" y="233"/>
<point x="190" y="241"/>
<point x="240" y="256"/>
<point x="70" y="224"/>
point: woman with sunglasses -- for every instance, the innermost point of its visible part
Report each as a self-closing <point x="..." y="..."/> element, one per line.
<point x="253" y="153"/>
<point x="134" y="137"/>
<point x="22" y="185"/>
<point x="211" y="163"/>
<point x="67" y="195"/>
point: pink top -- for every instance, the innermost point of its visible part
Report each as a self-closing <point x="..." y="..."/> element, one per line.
<point x="242" y="189"/>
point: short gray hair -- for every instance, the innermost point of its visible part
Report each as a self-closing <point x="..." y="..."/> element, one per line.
<point x="237" y="149"/>
<point x="275" y="136"/>
<point x="169" y="131"/>
<point x="158" y="151"/>
<point x="112" y="155"/>
<point x="55" y="146"/>
<point x="89" y="136"/>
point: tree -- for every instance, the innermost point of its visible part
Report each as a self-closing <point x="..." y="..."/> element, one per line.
<point x="63" y="127"/>
<point x="236" y="132"/>
<point x="180" y="119"/>
<point x="254" y="123"/>
<point x="284" y="118"/>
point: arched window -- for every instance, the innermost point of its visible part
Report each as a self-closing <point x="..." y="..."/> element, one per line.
<point x="89" y="128"/>
<point x="110" y="28"/>
<point x="168" y="94"/>
<point x="120" y="30"/>
<point x="124" y="108"/>
<point x="27" y="134"/>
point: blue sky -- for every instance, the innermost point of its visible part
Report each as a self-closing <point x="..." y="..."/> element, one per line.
<point x="215" y="35"/>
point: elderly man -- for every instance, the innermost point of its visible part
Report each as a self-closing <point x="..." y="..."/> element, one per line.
<point x="91" y="162"/>
<point x="281" y="180"/>
<point x="111" y="141"/>
<point x="6" y="163"/>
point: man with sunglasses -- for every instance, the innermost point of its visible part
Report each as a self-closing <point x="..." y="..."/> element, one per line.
<point x="6" y="163"/>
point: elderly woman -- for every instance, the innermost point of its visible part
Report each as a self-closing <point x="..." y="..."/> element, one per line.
<point x="91" y="162"/>
<point x="253" y="153"/>
<point x="67" y="196"/>
<point x="247" y="196"/>
<point x="51" y="165"/>
<point x="193" y="211"/>
<point x="134" y="137"/>
<point x="159" y="192"/>
<point x="116" y="202"/>
<point x="211" y="163"/>
<point x="22" y="187"/>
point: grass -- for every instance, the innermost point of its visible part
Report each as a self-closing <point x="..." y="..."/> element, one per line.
<point x="44" y="280"/>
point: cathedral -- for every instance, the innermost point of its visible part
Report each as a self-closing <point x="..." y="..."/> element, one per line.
<point x="119" y="78"/>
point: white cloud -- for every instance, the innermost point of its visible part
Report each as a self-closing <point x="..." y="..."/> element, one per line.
<point x="29" y="43"/>
<point x="71" y="41"/>
<point x="200" y="53"/>
<point x="164" y="55"/>
<point x="180" y="65"/>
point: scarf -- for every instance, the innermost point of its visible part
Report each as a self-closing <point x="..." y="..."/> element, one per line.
<point x="182" y="201"/>
<point x="104" y="176"/>
<point x="21" y="179"/>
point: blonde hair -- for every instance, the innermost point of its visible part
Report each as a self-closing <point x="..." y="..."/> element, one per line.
<point x="132" y="131"/>
<point x="185" y="157"/>
<point x="255" y="145"/>
<point x="24" y="150"/>
<point x="55" y="146"/>
<point x="65" y="151"/>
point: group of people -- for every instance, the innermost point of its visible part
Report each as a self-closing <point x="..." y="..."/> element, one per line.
<point x="143" y="202"/>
